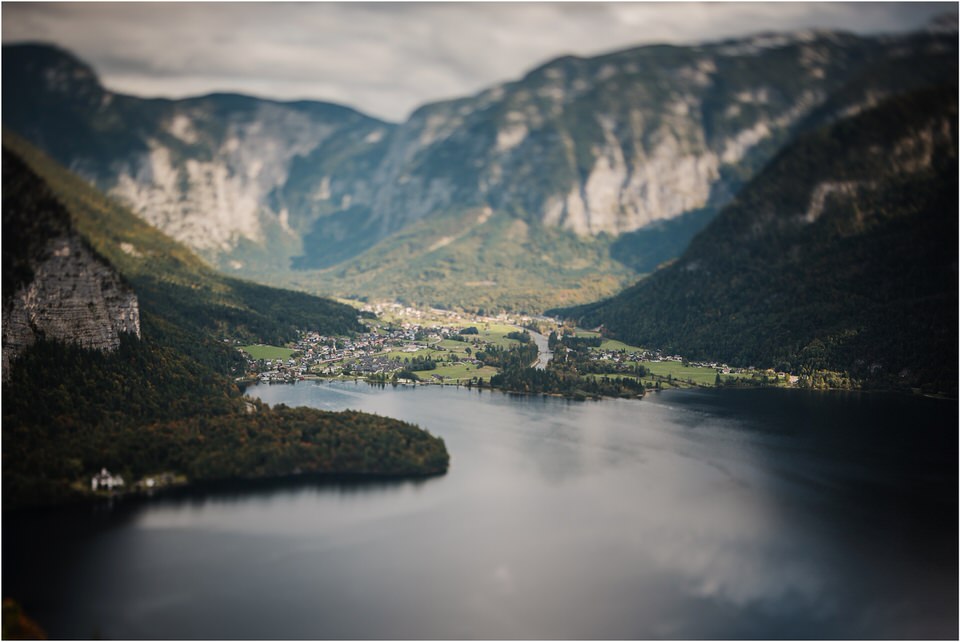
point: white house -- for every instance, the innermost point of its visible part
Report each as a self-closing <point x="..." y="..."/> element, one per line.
<point x="105" y="481"/>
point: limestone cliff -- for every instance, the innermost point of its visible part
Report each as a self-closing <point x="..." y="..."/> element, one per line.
<point x="841" y="255"/>
<point x="597" y="146"/>
<point x="55" y="286"/>
<point x="621" y="157"/>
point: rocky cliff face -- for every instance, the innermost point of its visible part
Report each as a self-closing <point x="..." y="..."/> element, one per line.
<point x="839" y="255"/>
<point x="66" y="292"/>
<point x="209" y="171"/>
<point x="602" y="147"/>
<point x="204" y="170"/>
<point x="74" y="297"/>
<point x="610" y="144"/>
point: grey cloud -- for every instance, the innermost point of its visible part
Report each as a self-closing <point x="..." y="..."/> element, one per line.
<point x="388" y="58"/>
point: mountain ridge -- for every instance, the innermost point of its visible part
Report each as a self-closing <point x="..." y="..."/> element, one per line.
<point x="637" y="148"/>
<point x="840" y="255"/>
<point x="179" y="163"/>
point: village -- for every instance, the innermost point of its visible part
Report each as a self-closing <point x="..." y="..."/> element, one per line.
<point x="387" y="348"/>
<point x="441" y="346"/>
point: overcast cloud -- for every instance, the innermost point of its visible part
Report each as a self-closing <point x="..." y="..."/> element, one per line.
<point x="386" y="59"/>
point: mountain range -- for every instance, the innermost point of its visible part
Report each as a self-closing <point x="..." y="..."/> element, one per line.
<point x="841" y="255"/>
<point x="784" y="200"/>
<point x="559" y="188"/>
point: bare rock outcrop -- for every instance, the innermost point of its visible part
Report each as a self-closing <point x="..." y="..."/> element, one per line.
<point x="74" y="297"/>
<point x="55" y="286"/>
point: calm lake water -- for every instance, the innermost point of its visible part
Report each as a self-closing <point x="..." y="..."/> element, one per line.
<point x="689" y="514"/>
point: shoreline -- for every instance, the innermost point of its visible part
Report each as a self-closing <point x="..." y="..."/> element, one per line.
<point x="80" y="500"/>
<point x="791" y="388"/>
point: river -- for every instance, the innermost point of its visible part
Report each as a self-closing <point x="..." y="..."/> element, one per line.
<point x="544" y="354"/>
<point x="688" y="514"/>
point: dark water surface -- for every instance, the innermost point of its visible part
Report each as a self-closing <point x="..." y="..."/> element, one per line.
<point x="690" y="514"/>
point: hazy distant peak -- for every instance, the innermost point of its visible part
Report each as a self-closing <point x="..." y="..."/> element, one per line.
<point x="944" y="23"/>
<point x="61" y="71"/>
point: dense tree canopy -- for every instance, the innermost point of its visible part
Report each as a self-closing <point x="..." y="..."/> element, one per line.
<point x="167" y="402"/>
<point x="841" y="255"/>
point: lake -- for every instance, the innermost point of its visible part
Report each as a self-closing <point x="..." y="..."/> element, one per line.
<point x="688" y="514"/>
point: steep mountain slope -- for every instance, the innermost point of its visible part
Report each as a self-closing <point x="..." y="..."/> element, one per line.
<point x="624" y="156"/>
<point x="841" y="255"/>
<point x="610" y="145"/>
<point x="202" y="169"/>
<point x="161" y="399"/>
<point x="181" y="295"/>
<point x="55" y="286"/>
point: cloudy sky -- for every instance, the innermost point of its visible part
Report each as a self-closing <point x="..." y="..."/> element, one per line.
<point x="388" y="58"/>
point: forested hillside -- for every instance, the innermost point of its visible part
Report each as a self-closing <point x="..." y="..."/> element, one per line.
<point x="191" y="305"/>
<point x="841" y="255"/>
<point x="166" y="402"/>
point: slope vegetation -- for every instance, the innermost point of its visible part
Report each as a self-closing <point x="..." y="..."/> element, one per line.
<point x="165" y="402"/>
<point x="54" y="285"/>
<point x="181" y="297"/>
<point x="477" y="260"/>
<point x="840" y="255"/>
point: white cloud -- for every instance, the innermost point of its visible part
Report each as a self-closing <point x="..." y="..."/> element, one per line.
<point x="388" y="58"/>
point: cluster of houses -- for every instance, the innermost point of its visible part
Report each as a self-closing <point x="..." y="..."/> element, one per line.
<point x="363" y="354"/>
<point x="105" y="481"/>
<point x="364" y="364"/>
<point x="367" y="354"/>
<point x="278" y="370"/>
<point x="618" y="356"/>
<point x="656" y="356"/>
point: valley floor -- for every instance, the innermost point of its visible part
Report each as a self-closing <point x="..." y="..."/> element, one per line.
<point x="410" y="345"/>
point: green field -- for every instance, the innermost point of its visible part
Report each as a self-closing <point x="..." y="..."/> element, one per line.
<point x="488" y="334"/>
<point x="676" y="369"/>
<point x="456" y="346"/>
<point x="614" y="345"/>
<point x="497" y="335"/>
<point x="492" y="333"/>
<point x="611" y="375"/>
<point x="586" y="333"/>
<point x="453" y="372"/>
<point x="267" y="352"/>
<point x="701" y="376"/>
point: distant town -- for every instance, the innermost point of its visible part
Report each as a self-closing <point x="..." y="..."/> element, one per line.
<point x="440" y="346"/>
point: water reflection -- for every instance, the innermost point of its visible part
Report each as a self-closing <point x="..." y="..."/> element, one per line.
<point x="684" y="515"/>
<point x="291" y="506"/>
